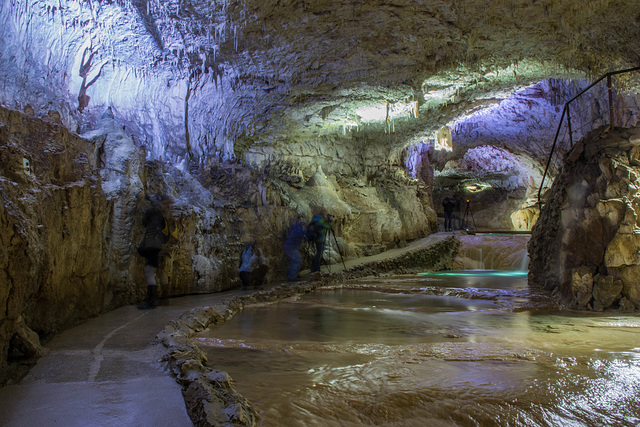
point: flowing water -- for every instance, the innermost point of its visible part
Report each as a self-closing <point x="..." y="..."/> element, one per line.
<point x="461" y="349"/>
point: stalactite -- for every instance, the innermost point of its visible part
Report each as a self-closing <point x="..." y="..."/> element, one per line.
<point x="235" y="37"/>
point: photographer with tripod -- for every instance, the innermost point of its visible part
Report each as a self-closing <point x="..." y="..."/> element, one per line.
<point x="317" y="231"/>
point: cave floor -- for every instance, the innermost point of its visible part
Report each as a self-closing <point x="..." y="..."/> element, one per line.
<point x="108" y="370"/>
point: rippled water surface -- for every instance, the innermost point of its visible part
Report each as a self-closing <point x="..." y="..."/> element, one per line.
<point x="471" y="349"/>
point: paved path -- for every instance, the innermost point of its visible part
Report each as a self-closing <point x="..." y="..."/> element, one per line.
<point x="108" y="372"/>
<point x="417" y="244"/>
<point x="104" y="372"/>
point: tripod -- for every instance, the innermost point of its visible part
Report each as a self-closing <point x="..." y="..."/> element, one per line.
<point x="324" y="246"/>
<point x="338" y="248"/>
<point x="465" y="219"/>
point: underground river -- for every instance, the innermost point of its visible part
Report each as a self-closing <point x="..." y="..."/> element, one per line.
<point x="473" y="348"/>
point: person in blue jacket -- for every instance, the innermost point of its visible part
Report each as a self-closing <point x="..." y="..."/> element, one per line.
<point x="253" y="267"/>
<point x="291" y="247"/>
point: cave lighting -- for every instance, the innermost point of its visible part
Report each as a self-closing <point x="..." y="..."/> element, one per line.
<point x="476" y="187"/>
<point x="443" y="139"/>
<point x="441" y="95"/>
<point x="386" y="111"/>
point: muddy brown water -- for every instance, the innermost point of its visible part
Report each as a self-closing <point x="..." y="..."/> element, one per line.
<point x="465" y="349"/>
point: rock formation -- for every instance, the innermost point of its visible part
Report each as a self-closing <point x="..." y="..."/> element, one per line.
<point x="52" y="224"/>
<point x="288" y="85"/>
<point x="584" y="247"/>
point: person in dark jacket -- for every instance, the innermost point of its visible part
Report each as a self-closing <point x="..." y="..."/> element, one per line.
<point x="448" y="204"/>
<point x="291" y="247"/>
<point x="321" y="226"/>
<point x="456" y="216"/>
<point x="154" y="239"/>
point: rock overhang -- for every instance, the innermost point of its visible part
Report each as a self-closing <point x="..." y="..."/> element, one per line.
<point x="290" y="85"/>
<point x="204" y="79"/>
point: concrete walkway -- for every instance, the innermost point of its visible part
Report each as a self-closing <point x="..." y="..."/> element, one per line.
<point x="393" y="253"/>
<point x="105" y="372"/>
<point x="108" y="371"/>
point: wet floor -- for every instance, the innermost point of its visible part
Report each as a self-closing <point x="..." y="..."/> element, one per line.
<point x="470" y="349"/>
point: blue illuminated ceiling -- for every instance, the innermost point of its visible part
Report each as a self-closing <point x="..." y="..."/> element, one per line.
<point x="202" y="79"/>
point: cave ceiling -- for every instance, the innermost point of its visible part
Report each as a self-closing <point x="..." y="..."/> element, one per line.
<point x="206" y="79"/>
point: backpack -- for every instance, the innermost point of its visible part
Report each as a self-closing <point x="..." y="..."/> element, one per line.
<point x="167" y="234"/>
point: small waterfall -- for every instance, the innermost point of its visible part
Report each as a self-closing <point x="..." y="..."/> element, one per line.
<point x="505" y="252"/>
<point x="474" y="259"/>
<point x="524" y="264"/>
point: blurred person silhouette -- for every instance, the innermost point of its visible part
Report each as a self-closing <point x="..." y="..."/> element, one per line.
<point x="448" y="204"/>
<point x="156" y="235"/>
<point x="253" y="267"/>
<point x="291" y="247"/>
<point x="317" y="233"/>
<point x="457" y="223"/>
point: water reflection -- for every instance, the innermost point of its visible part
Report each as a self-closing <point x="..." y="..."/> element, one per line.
<point x="431" y="351"/>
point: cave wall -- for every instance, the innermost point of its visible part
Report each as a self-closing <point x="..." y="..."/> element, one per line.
<point x="501" y="151"/>
<point x="249" y="113"/>
<point x="584" y="247"/>
<point x="279" y="85"/>
<point x="70" y="227"/>
<point x="52" y="224"/>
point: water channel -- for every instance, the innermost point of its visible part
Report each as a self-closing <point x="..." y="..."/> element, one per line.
<point x="465" y="348"/>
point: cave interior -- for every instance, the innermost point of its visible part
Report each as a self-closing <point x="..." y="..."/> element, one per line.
<point x="250" y="113"/>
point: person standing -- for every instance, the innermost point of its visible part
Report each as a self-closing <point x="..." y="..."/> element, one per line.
<point x="246" y="264"/>
<point x="152" y="243"/>
<point x="253" y="267"/>
<point x="448" y="204"/>
<point x="458" y="208"/>
<point x="319" y="226"/>
<point x="291" y="248"/>
<point x="260" y="270"/>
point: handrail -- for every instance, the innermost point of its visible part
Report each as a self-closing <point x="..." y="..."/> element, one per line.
<point x="565" y="111"/>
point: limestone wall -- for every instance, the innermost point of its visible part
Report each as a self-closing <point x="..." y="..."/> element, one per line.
<point x="585" y="245"/>
<point x="52" y="232"/>
<point x="70" y="227"/>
